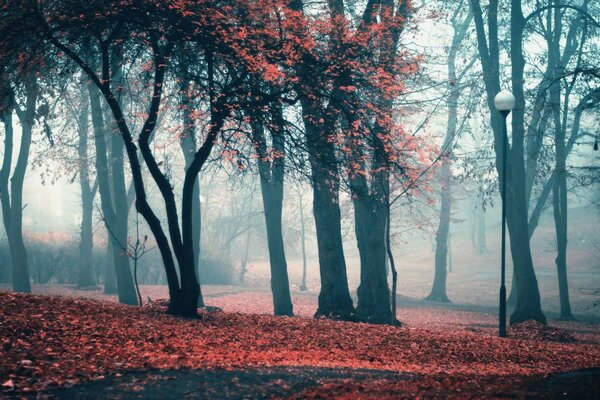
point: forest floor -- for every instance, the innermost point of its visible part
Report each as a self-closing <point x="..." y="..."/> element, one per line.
<point x="69" y="347"/>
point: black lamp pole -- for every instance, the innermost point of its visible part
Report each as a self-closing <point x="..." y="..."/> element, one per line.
<point x="502" y="314"/>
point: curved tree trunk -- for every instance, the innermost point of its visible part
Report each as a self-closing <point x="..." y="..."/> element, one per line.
<point x="12" y="200"/>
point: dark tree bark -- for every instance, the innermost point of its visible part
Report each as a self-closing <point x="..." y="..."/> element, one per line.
<point x="559" y="189"/>
<point x="303" y="242"/>
<point x="272" y="171"/>
<point x="373" y="292"/>
<point x="12" y="199"/>
<point x="438" y="289"/>
<point x="110" y="280"/>
<point x="334" y="298"/>
<point x="187" y="142"/>
<point x="88" y="190"/>
<point x="371" y="196"/>
<point x="527" y="292"/>
<point x="111" y="186"/>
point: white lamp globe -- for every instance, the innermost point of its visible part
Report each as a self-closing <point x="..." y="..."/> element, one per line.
<point x="504" y="101"/>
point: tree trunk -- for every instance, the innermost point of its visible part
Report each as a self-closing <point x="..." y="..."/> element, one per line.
<point x="373" y="292"/>
<point x="86" y="245"/>
<point x="125" y="285"/>
<point x="113" y="199"/>
<point x="560" y="223"/>
<point x="187" y="142"/>
<point x="271" y="184"/>
<point x="272" y="193"/>
<point x="303" y="243"/>
<point x="334" y="298"/>
<point x="110" y="280"/>
<point x="528" y="304"/>
<point x="438" y="290"/>
<point x="443" y="260"/>
<point x="12" y="203"/>
<point x="559" y="189"/>
<point x="527" y="292"/>
<point x="480" y="240"/>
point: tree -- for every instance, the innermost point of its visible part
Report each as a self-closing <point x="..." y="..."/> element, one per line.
<point x="88" y="192"/>
<point x="271" y="167"/>
<point x="560" y="93"/>
<point x="157" y="28"/>
<point x="111" y="185"/>
<point x="188" y="144"/>
<point x="460" y="25"/>
<point x="528" y="296"/>
<point x="334" y="298"/>
<point x="12" y="196"/>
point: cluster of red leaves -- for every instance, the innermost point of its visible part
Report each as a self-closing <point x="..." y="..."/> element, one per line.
<point x="47" y="341"/>
<point x="534" y="330"/>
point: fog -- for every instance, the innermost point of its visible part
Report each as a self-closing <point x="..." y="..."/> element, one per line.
<point x="234" y="247"/>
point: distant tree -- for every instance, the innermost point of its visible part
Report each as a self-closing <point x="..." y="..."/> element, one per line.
<point x="460" y="21"/>
<point x="271" y="167"/>
<point x="88" y="187"/>
<point x="20" y="64"/>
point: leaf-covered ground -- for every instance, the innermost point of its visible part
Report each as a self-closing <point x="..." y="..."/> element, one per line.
<point x="47" y="342"/>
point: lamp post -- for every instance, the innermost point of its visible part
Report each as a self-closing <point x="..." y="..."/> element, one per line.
<point x="504" y="103"/>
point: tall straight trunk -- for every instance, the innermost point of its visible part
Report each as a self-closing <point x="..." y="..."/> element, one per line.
<point x="125" y="284"/>
<point x="187" y="142"/>
<point x="528" y="305"/>
<point x="370" y="197"/>
<point x="12" y="203"/>
<point x="442" y="254"/>
<point x="438" y="289"/>
<point x="110" y="280"/>
<point x="480" y="240"/>
<point x="113" y="198"/>
<point x="272" y="193"/>
<point x="86" y="245"/>
<point x="244" y="266"/>
<point x="271" y="184"/>
<point x="560" y="223"/>
<point x="303" y="243"/>
<point x="334" y="296"/>
<point x="559" y="189"/>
